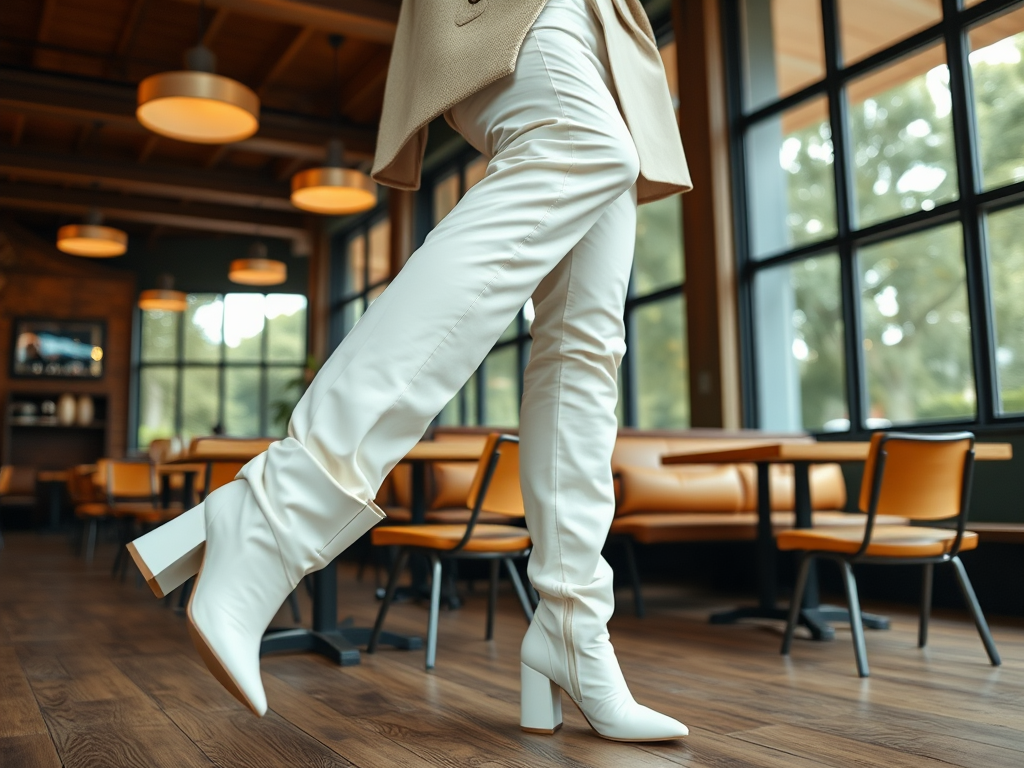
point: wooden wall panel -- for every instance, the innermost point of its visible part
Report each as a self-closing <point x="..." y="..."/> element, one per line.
<point x="37" y="281"/>
<point x="711" y="297"/>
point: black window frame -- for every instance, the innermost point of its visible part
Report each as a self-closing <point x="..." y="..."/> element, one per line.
<point x="179" y="363"/>
<point x="969" y="209"/>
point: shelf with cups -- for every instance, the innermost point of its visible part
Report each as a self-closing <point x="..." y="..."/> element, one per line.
<point x="54" y="430"/>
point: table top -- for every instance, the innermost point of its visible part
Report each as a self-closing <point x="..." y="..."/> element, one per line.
<point x="206" y="449"/>
<point x="821" y="452"/>
<point x="52" y="476"/>
<point x="445" y="450"/>
<point x="178" y="466"/>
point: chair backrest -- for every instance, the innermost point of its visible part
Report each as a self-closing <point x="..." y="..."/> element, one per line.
<point x="130" y="480"/>
<point x="220" y="473"/>
<point x="923" y="477"/>
<point x="496" y="484"/>
<point x="81" y="488"/>
<point x="18" y="481"/>
<point x="159" y="450"/>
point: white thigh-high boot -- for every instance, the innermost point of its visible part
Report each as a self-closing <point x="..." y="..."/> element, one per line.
<point x="567" y="433"/>
<point x="560" y="154"/>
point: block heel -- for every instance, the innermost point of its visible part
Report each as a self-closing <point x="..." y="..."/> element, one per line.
<point x="540" y="702"/>
<point x="173" y="552"/>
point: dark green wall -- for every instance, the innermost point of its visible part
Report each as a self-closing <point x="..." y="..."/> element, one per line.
<point x="200" y="264"/>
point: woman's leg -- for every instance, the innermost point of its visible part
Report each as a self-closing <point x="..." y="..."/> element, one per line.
<point x="567" y="433"/>
<point x="561" y="154"/>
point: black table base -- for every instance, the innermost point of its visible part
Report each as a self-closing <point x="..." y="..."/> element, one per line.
<point x="337" y="642"/>
<point x="816" y="617"/>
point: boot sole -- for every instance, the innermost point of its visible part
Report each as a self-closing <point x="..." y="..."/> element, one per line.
<point x="172" y="553"/>
<point x="549" y="731"/>
<point x="209" y="656"/>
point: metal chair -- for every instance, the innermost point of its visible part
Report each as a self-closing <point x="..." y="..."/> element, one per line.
<point x="495" y="489"/>
<point x="921" y="477"/>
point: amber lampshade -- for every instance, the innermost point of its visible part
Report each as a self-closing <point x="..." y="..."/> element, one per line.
<point x="92" y="240"/>
<point x="198" y="105"/>
<point x="162" y="300"/>
<point x="333" y="190"/>
<point x="258" y="272"/>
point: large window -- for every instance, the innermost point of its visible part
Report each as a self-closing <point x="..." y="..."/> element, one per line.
<point x="879" y="148"/>
<point x="364" y="270"/>
<point x="232" y="363"/>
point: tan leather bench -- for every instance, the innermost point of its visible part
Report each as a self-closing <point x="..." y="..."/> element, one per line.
<point x="657" y="504"/>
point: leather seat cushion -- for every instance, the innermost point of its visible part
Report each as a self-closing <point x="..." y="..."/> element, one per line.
<point x="886" y="540"/>
<point x="486" y="538"/>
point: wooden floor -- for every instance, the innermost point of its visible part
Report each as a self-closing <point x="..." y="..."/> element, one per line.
<point x="98" y="673"/>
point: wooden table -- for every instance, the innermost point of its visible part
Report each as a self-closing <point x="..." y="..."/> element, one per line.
<point x="801" y="455"/>
<point x="326" y="637"/>
<point x="55" y="480"/>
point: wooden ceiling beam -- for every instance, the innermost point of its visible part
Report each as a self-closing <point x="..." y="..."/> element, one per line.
<point x="130" y="28"/>
<point x="285" y="59"/>
<point x="213" y="28"/>
<point x="373" y="20"/>
<point x="213" y="186"/>
<point x="116" y="207"/>
<point x="281" y="134"/>
<point x="19" y="129"/>
<point x="148" y="147"/>
<point x="46" y="17"/>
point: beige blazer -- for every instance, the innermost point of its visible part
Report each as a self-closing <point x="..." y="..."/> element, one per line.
<point x="447" y="50"/>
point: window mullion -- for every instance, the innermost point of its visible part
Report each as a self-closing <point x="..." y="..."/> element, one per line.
<point x="979" y="307"/>
<point x="856" y="378"/>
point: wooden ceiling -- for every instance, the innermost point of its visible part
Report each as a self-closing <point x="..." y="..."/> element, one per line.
<point x="68" y="134"/>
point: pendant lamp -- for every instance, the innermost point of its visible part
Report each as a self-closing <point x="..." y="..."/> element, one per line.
<point x="257" y="269"/>
<point x="91" y="238"/>
<point x="196" y="104"/>
<point x="333" y="189"/>
<point x="163" y="298"/>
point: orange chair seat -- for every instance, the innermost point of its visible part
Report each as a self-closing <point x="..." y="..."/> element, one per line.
<point x="673" y="527"/>
<point x="132" y="509"/>
<point x="92" y="509"/>
<point x="886" y="540"/>
<point x="154" y="516"/>
<point x="461" y="515"/>
<point x="486" y="538"/>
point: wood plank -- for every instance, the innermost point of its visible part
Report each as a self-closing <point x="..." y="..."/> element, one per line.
<point x="35" y="750"/>
<point x="115" y="681"/>
<point x="22" y="722"/>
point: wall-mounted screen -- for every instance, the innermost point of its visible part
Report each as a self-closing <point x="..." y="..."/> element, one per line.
<point x="64" y="349"/>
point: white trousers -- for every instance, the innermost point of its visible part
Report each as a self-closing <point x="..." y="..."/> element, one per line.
<point x="554" y="218"/>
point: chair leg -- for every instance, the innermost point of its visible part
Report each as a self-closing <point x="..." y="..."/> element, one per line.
<point x="926" y="604"/>
<point x="524" y="599"/>
<point x="492" y="597"/>
<point x="979" y="617"/>
<point x="293" y="601"/>
<point x="90" y="541"/>
<point x="396" y="570"/>
<point x="796" y="602"/>
<point x="856" y="622"/>
<point x="634" y="577"/>
<point x="186" y="592"/>
<point x="435" y="609"/>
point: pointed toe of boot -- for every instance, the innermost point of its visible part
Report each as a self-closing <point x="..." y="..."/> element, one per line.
<point x="645" y="724"/>
<point x="231" y="655"/>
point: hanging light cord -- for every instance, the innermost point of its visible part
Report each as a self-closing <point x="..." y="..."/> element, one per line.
<point x="202" y="25"/>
